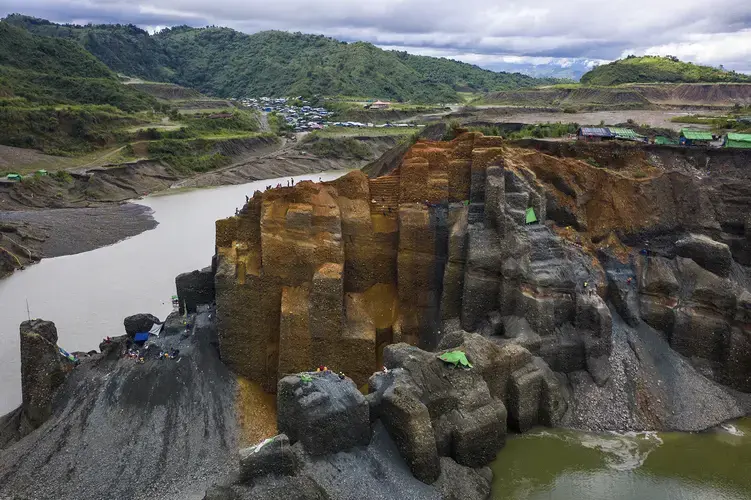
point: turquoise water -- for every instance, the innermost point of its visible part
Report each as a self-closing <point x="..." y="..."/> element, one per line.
<point x="569" y="465"/>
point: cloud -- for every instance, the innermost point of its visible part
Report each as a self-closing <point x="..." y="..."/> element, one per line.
<point x="480" y="31"/>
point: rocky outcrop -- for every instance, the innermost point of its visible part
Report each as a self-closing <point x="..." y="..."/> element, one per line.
<point x="340" y="269"/>
<point x="331" y="274"/>
<point x="433" y="409"/>
<point x="323" y="411"/>
<point x="139" y="323"/>
<point x="333" y="452"/>
<point x="194" y="289"/>
<point x="42" y="369"/>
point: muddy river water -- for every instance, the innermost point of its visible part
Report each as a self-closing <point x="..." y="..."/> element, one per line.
<point x="87" y="296"/>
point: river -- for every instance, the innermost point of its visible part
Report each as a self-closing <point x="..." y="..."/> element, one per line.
<point x="87" y="296"/>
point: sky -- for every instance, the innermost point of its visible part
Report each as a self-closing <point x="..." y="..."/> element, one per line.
<point x="483" y="32"/>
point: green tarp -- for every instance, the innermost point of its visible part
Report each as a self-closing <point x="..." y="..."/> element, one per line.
<point x="456" y="358"/>
<point x="738" y="141"/>
<point x="696" y="135"/>
<point x="625" y="133"/>
<point x="531" y="217"/>
<point x="665" y="141"/>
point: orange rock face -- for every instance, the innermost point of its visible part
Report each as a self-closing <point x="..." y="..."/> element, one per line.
<point x="328" y="274"/>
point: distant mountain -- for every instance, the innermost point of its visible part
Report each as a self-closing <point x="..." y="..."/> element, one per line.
<point x="227" y="63"/>
<point x="570" y="69"/>
<point x="656" y="69"/>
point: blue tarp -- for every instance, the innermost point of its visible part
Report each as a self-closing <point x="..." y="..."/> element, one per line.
<point x="141" y="337"/>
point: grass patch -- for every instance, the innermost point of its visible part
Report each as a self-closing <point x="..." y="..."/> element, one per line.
<point x="363" y="132"/>
<point x="337" y="147"/>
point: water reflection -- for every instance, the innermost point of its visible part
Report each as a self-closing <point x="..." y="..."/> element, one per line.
<point x="570" y="465"/>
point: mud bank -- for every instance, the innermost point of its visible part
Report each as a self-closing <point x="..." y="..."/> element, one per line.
<point x="35" y="234"/>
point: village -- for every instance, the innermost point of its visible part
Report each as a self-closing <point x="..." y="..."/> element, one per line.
<point x="688" y="137"/>
<point x="301" y="116"/>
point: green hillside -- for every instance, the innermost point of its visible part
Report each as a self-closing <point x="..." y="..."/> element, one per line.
<point x="36" y="70"/>
<point x="227" y="63"/>
<point x="655" y="69"/>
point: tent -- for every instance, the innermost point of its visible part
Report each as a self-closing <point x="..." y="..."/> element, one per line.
<point x="67" y="355"/>
<point x="156" y="329"/>
<point x="531" y="217"/>
<point x="738" y="141"/>
<point x="140" y="338"/>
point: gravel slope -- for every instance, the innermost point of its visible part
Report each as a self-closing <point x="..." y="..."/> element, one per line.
<point x="164" y="429"/>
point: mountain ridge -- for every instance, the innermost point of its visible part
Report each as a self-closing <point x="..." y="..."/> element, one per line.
<point x="228" y="63"/>
<point x="658" y="69"/>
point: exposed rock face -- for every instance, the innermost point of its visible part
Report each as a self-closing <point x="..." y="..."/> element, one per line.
<point x="434" y="410"/>
<point x="42" y="369"/>
<point x="327" y="414"/>
<point x="331" y="273"/>
<point x="338" y="270"/>
<point x="195" y="288"/>
<point x="139" y="323"/>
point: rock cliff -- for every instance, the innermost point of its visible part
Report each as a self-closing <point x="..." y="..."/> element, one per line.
<point x="330" y="274"/>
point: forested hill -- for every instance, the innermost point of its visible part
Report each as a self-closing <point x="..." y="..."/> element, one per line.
<point x="227" y="63"/>
<point x="655" y="69"/>
<point x="36" y="70"/>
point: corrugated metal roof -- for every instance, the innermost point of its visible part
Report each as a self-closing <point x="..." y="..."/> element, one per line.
<point x="661" y="139"/>
<point x="624" y="133"/>
<point x="739" y="137"/>
<point x="696" y="135"/>
<point x="738" y="144"/>
<point x="595" y="132"/>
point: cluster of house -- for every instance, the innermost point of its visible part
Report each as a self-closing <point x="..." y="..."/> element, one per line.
<point x="306" y="117"/>
<point x="300" y="118"/>
<point x="688" y="137"/>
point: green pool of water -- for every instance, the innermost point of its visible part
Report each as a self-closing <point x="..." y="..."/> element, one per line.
<point x="568" y="465"/>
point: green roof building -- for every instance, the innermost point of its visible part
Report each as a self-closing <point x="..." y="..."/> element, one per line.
<point x="693" y="137"/>
<point x="665" y="141"/>
<point x="626" y="133"/>
<point x="738" y="141"/>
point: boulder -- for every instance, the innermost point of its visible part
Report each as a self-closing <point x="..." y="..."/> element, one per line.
<point x="408" y="422"/>
<point x="593" y="316"/>
<point x="457" y="482"/>
<point x="623" y="296"/>
<point x="554" y="397"/>
<point x="524" y="398"/>
<point x="195" y="288"/>
<point x="479" y="434"/>
<point x="326" y="413"/>
<point x="115" y="347"/>
<point x="708" y="288"/>
<point x="701" y="334"/>
<point x="139" y="323"/>
<point x="657" y="277"/>
<point x="272" y="456"/>
<point x="708" y="253"/>
<point x="42" y="369"/>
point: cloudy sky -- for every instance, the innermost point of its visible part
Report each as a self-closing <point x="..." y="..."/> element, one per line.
<point x="483" y="32"/>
